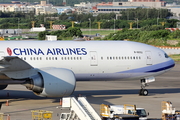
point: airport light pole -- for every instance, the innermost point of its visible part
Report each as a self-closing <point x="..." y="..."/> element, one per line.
<point x="114" y="24"/>
<point x="89" y="26"/>
<point x="137" y="22"/>
<point x="18" y="26"/>
<point x="127" y="11"/>
<point x="158" y="17"/>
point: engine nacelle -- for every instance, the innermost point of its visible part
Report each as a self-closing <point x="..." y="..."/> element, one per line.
<point x="52" y="82"/>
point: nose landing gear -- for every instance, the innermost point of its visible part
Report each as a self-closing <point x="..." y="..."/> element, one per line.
<point x="143" y="91"/>
<point x="144" y="83"/>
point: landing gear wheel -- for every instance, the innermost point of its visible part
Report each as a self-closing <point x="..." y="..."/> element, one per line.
<point x="143" y="92"/>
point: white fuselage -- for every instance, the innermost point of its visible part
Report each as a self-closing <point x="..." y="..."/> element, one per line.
<point x="91" y="60"/>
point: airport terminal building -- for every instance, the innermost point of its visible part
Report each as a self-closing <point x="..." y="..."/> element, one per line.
<point x="131" y="4"/>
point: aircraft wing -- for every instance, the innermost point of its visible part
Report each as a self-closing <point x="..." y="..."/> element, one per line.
<point x="14" y="67"/>
<point x="13" y="63"/>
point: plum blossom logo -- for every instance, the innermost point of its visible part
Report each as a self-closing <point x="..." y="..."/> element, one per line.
<point x="9" y="51"/>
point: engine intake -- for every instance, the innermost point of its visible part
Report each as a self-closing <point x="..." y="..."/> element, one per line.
<point x="36" y="84"/>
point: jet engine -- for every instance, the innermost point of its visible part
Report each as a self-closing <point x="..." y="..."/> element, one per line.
<point x="52" y="82"/>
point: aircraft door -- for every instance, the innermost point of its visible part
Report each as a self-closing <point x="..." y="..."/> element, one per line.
<point x="93" y="59"/>
<point x="148" y="58"/>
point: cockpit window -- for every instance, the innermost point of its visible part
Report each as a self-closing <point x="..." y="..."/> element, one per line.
<point x="166" y="56"/>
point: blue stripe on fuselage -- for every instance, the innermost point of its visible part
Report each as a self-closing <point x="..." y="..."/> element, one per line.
<point x="152" y="68"/>
<point x="161" y="69"/>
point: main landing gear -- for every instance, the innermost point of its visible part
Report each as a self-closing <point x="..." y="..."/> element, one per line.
<point x="143" y="91"/>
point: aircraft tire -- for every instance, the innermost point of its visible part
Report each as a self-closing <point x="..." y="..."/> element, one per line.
<point x="144" y="92"/>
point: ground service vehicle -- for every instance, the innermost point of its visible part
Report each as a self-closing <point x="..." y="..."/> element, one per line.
<point x="125" y="111"/>
<point x="169" y="112"/>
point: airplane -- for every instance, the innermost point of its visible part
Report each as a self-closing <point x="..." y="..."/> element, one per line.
<point x="51" y="68"/>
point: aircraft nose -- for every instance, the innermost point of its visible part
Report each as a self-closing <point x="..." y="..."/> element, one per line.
<point x="171" y="63"/>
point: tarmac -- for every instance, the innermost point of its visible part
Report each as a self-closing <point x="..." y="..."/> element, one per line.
<point x="166" y="88"/>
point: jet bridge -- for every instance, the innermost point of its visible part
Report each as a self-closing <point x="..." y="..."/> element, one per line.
<point x="79" y="109"/>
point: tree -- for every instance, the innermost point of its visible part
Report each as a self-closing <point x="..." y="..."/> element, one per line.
<point x="74" y="32"/>
<point x="42" y="35"/>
